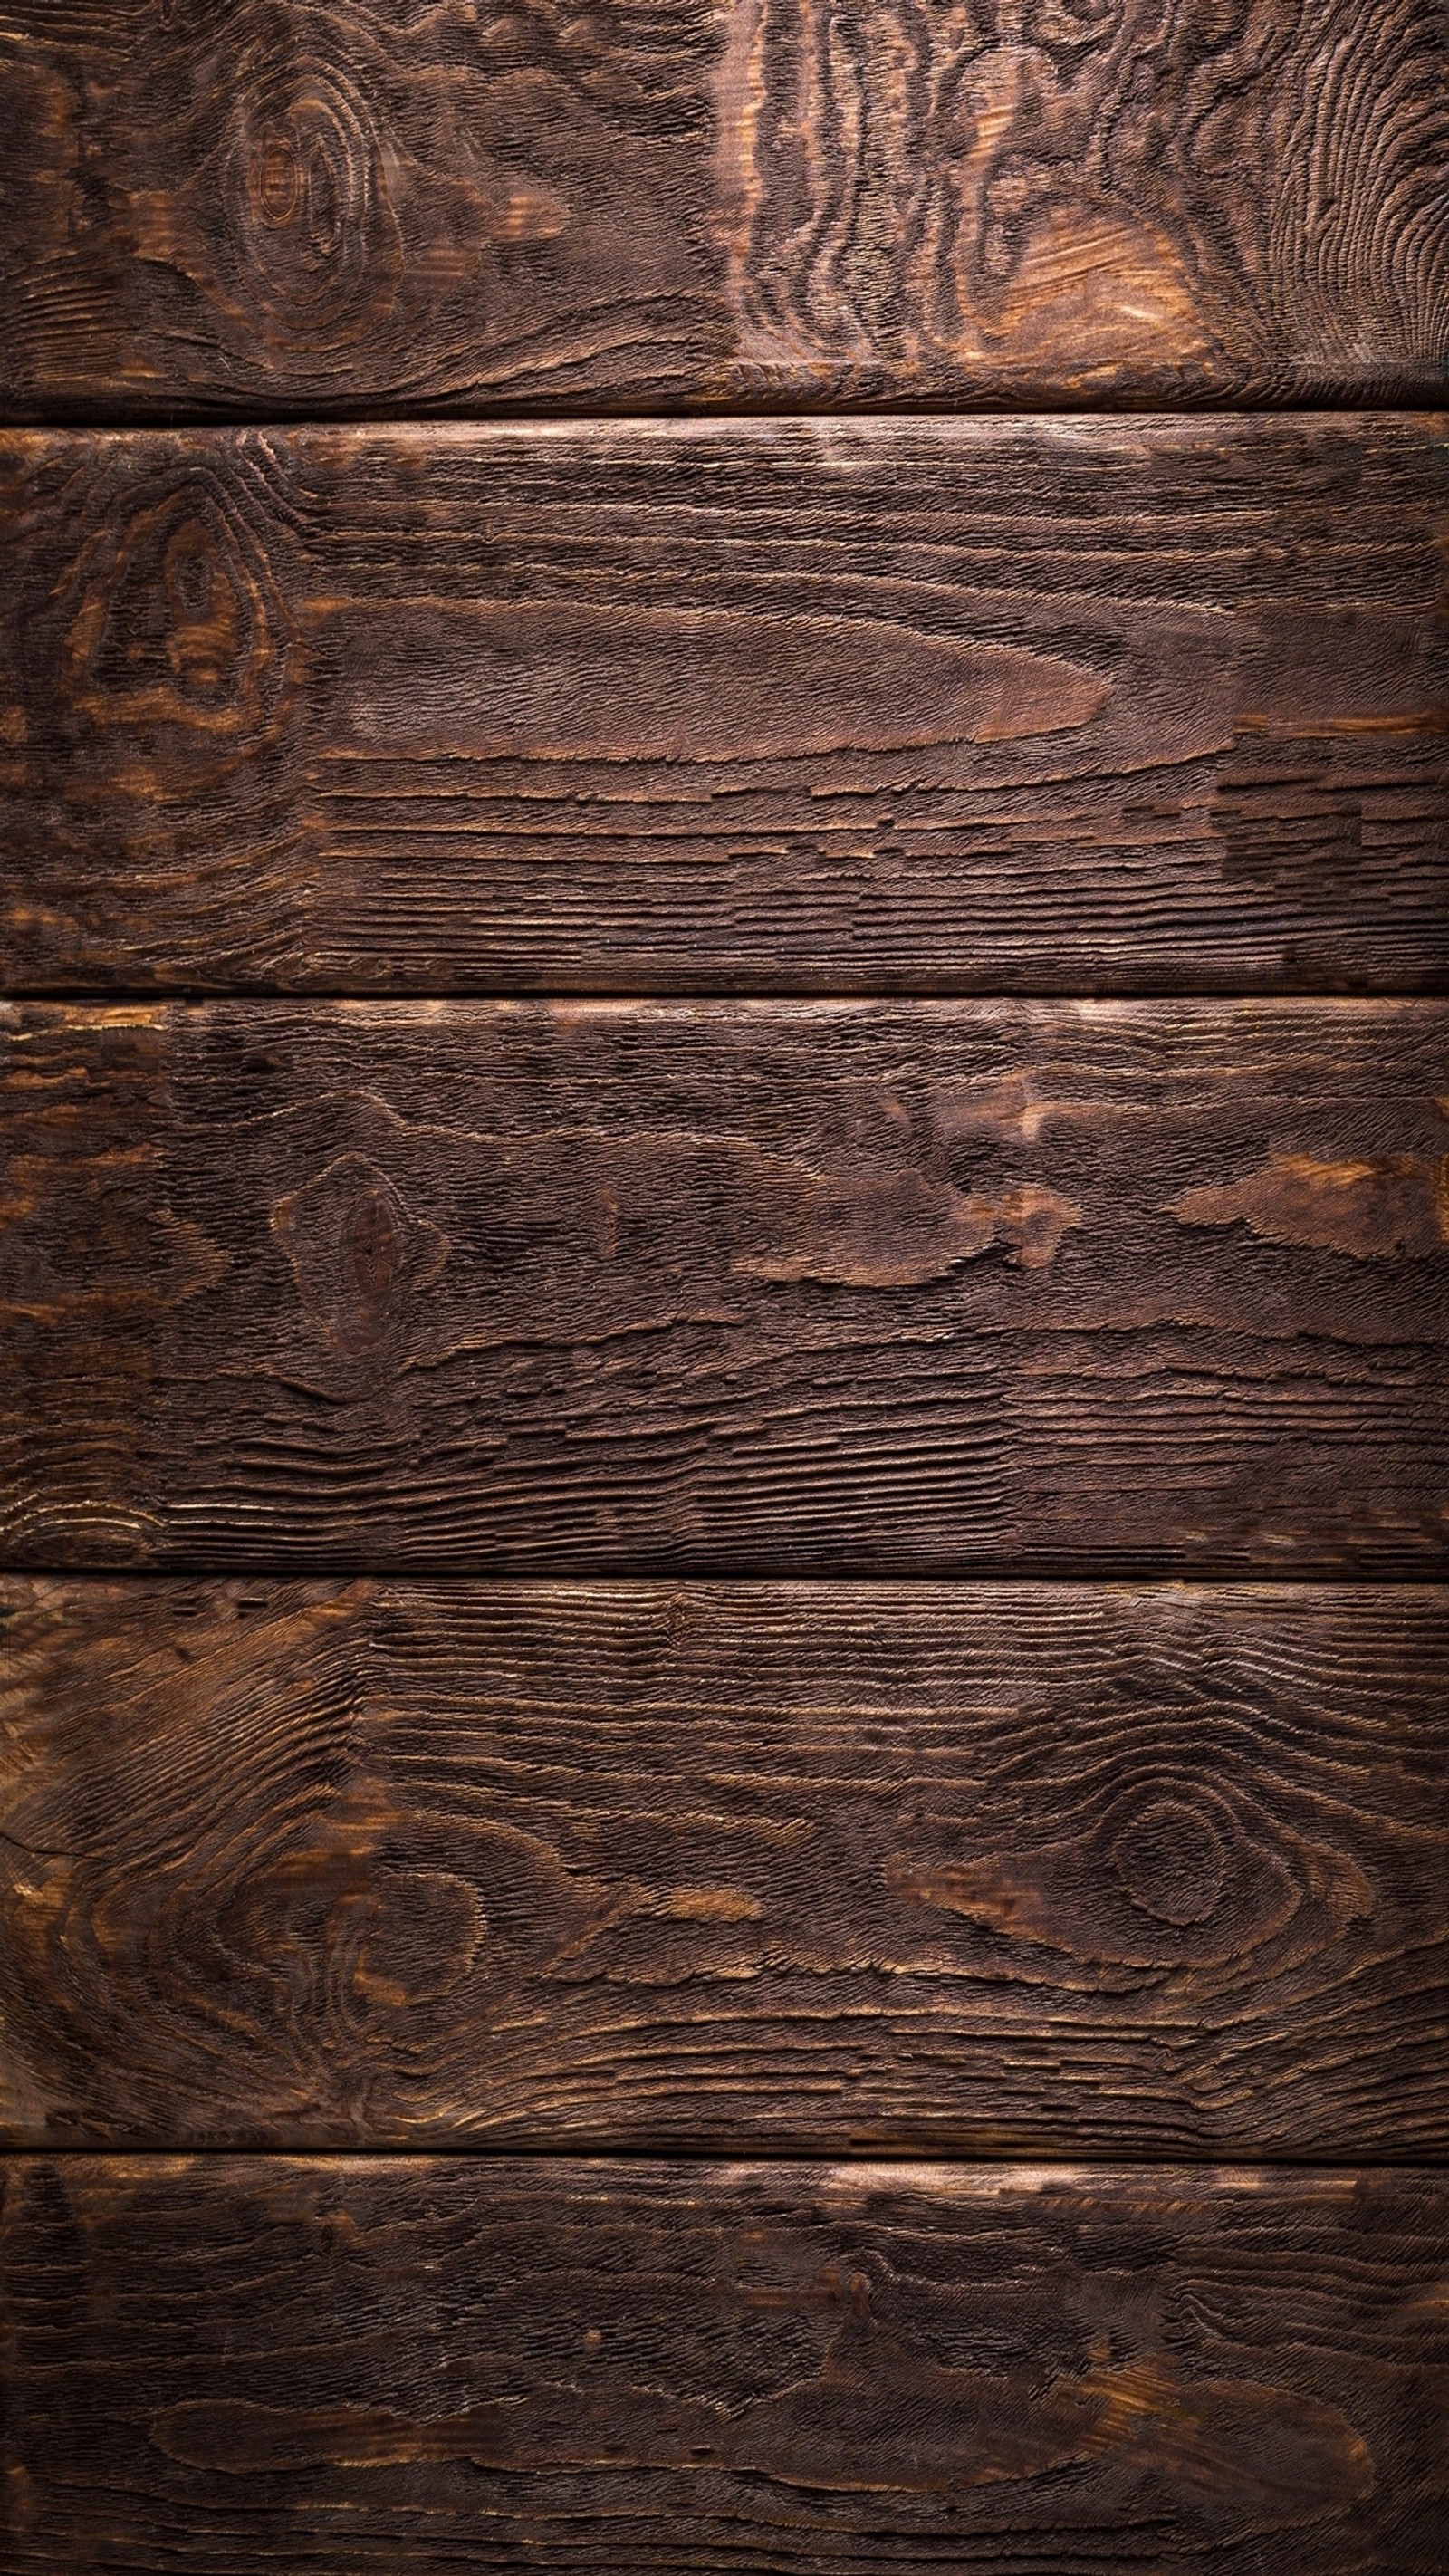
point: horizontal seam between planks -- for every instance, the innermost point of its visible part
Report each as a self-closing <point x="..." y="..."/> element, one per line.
<point x="1430" y="394"/>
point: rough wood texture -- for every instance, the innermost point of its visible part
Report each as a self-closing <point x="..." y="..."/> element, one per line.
<point x="450" y="2365"/>
<point x="725" y="1286"/>
<point x="793" y="706"/>
<point x="280" y="207"/>
<point x="1023" y="1867"/>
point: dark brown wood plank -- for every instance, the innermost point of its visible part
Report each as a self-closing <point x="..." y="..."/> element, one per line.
<point x="233" y="2366"/>
<point x="279" y="207"/>
<point x="940" y="706"/>
<point x="749" y="1867"/>
<point x="726" y="1287"/>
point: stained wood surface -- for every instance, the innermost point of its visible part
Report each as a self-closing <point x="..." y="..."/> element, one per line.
<point x="726" y="1287"/>
<point x="301" y="1850"/>
<point x="942" y="706"/>
<point x="283" y="207"/>
<point x="235" y="2366"/>
<point x="1026" y="1867"/>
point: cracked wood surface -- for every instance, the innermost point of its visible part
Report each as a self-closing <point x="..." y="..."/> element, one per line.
<point x="722" y="1867"/>
<point x="937" y="706"/>
<point x="1026" y="2371"/>
<point x="726" y="1286"/>
<point x="289" y="208"/>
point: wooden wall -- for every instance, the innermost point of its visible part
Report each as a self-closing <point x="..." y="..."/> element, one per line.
<point x="724" y="1253"/>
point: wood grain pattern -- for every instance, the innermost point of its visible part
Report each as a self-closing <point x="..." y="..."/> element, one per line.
<point x="779" y="707"/>
<point x="464" y="2364"/>
<point x="726" y="1287"/>
<point x="1021" y="1868"/>
<point x="795" y="706"/>
<point x="293" y="207"/>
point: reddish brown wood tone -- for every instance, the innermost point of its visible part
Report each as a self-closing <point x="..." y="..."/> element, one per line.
<point x="237" y="2366"/>
<point x="281" y="207"/>
<point x="952" y="706"/>
<point x="622" y="1038"/>
<point x="726" y="1287"/>
<point x="1021" y="1866"/>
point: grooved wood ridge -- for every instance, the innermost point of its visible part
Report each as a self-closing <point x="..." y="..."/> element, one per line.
<point x="1052" y="705"/>
<point x="369" y="1863"/>
<point x="724" y="1286"/>
<point x="724" y="1254"/>
<point x="285" y="207"/>
<point x="238" y="2365"/>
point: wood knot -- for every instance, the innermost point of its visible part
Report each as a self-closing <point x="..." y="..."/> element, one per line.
<point x="175" y="631"/>
<point x="357" y="1254"/>
<point x="1171" y="1861"/>
<point x="337" y="188"/>
<point x="304" y="190"/>
<point x="418" y="1938"/>
<point x="1172" y="1874"/>
<point x="343" y="1931"/>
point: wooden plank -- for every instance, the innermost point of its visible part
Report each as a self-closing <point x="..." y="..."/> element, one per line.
<point x="505" y="2363"/>
<point x="726" y="1287"/>
<point x="745" y="1867"/>
<point x="274" y="208"/>
<point x="940" y="706"/>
